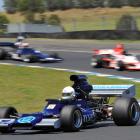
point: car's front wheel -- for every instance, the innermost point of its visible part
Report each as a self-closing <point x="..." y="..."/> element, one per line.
<point x="30" y="59"/>
<point x="71" y="118"/>
<point x="7" y="112"/>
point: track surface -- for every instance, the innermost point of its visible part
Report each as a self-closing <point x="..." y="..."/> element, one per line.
<point x="101" y="131"/>
<point x="77" y="55"/>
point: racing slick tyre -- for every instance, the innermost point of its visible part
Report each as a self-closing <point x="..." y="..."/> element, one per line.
<point x="71" y="118"/>
<point x="32" y="59"/>
<point x="3" y="54"/>
<point x="55" y="55"/>
<point x="98" y="63"/>
<point x="120" y="66"/>
<point x="7" y="112"/>
<point x="126" y="111"/>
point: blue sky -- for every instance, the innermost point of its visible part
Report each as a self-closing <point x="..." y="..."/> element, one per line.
<point x="1" y="4"/>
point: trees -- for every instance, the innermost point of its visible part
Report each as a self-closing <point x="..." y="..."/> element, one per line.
<point x="54" y="20"/>
<point x="135" y="3"/>
<point x="3" y="20"/>
<point x="31" y="5"/>
<point x="52" y="4"/>
<point x="91" y="3"/>
<point x="127" y="22"/>
<point x="10" y="6"/>
<point x="115" y="3"/>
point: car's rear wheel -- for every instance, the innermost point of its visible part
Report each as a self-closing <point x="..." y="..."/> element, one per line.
<point x="126" y="111"/>
<point x="97" y="62"/>
<point x="71" y="118"/>
<point x="7" y="112"/>
<point x="3" y="54"/>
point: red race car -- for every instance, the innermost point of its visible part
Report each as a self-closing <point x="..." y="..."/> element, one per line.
<point x="116" y="58"/>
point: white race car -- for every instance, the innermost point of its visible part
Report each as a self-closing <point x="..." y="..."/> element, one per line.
<point x="109" y="58"/>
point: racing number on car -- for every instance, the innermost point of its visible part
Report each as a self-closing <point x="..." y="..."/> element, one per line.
<point x="51" y="106"/>
<point x="28" y="119"/>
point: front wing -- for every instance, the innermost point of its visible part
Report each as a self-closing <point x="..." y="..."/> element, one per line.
<point x="50" y="59"/>
<point x="43" y="124"/>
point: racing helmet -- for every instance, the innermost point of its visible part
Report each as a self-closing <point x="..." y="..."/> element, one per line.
<point x="20" y="38"/>
<point x="119" y="46"/>
<point x="68" y="93"/>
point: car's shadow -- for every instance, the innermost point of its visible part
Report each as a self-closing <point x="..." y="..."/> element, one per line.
<point x="52" y="131"/>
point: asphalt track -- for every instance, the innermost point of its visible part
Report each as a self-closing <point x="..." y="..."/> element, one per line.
<point x="77" y="55"/>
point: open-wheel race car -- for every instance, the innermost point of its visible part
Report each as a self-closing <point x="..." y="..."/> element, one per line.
<point x="72" y="114"/>
<point x="25" y="53"/>
<point x="116" y="59"/>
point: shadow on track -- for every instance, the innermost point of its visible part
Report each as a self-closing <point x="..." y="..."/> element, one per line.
<point x="42" y="132"/>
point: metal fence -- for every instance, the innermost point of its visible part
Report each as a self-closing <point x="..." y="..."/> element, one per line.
<point x="33" y="28"/>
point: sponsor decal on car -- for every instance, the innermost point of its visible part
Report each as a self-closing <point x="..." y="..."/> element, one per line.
<point x="28" y="119"/>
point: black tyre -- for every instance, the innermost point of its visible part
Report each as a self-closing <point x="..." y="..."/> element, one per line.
<point x="98" y="63"/>
<point x="3" y="54"/>
<point x="7" y="112"/>
<point x="71" y="118"/>
<point x="126" y="111"/>
<point x="120" y="66"/>
<point x="55" y="55"/>
<point x="32" y="58"/>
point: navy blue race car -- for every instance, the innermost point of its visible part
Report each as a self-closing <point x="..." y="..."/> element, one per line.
<point x="32" y="55"/>
<point x="26" y="54"/>
<point x="71" y="114"/>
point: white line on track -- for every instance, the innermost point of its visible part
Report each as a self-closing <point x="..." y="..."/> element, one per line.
<point x="78" y="71"/>
<point x="76" y="51"/>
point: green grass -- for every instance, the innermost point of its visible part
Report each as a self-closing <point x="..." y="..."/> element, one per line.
<point x="27" y="88"/>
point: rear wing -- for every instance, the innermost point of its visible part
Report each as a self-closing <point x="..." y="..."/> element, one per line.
<point x="113" y="90"/>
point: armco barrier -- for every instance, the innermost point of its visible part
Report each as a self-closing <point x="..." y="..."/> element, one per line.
<point x="99" y="34"/>
<point x="96" y="34"/>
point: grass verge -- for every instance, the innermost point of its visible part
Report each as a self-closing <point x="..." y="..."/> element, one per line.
<point x="27" y="88"/>
<point x="86" y="19"/>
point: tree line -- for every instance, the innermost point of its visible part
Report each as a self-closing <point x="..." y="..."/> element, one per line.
<point x="12" y="6"/>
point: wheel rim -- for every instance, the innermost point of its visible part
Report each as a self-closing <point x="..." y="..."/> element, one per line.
<point x="77" y="119"/>
<point x="135" y="114"/>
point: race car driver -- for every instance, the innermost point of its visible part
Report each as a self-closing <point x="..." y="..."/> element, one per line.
<point x="81" y="86"/>
<point x="79" y="90"/>
<point x="20" y="44"/>
<point x="119" y="49"/>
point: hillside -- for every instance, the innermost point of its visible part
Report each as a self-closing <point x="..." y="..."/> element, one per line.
<point x="87" y="19"/>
